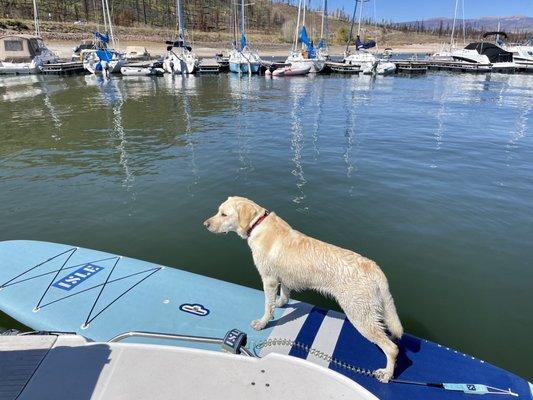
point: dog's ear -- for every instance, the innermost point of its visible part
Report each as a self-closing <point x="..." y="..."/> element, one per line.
<point x="246" y="213"/>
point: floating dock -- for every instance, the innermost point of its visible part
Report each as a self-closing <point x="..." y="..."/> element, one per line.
<point x="343" y="68"/>
<point x="208" y="66"/>
<point x="64" y="68"/>
<point x="411" y="67"/>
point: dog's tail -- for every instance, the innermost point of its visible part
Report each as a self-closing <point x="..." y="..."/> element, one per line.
<point x="390" y="315"/>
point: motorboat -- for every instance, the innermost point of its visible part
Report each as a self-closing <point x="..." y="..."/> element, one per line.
<point x="487" y="53"/>
<point x="522" y="53"/>
<point x="243" y="59"/>
<point x="24" y="54"/>
<point x="180" y="58"/>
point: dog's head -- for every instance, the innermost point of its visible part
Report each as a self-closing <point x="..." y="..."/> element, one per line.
<point x="236" y="214"/>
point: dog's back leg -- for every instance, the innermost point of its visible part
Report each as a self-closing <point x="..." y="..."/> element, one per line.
<point x="390" y="316"/>
<point x="366" y="317"/>
<point x="284" y="295"/>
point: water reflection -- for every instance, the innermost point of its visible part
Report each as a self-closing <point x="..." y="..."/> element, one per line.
<point x="112" y="96"/>
<point x="181" y="88"/>
<point x="350" y="106"/>
<point x="299" y="96"/>
<point x="521" y="126"/>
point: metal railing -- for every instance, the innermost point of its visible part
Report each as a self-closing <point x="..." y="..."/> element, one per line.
<point x="171" y="336"/>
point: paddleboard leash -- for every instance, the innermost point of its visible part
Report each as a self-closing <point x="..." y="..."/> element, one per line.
<point x="468" y="388"/>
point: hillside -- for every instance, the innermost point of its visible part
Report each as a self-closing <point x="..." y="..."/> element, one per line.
<point x="208" y="21"/>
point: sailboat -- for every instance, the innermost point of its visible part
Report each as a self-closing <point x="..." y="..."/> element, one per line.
<point x="180" y="58"/>
<point x="102" y="59"/>
<point x="308" y="55"/>
<point x="446" y="53"/>
<point x="241" y="58"/>
<point x="25" y="54"/>
<point x="367" y="62"/>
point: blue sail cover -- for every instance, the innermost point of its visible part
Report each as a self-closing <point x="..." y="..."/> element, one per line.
<point x="304" y="38"/>
<point x="104" y="55"/>
<point x="365" y="45"/>
<point x="102" y="37"/>
<point x="322" y="44"/>
<point x="243" y="41"/>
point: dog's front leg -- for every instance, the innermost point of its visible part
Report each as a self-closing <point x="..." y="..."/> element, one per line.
<point x="270" y="286"/>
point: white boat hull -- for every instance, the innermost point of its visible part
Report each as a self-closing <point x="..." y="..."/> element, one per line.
<point x="21" y="68"/>
<point x="182" y="62"/>
<point x="141" y="71"/>
<point x="316" y="64"/>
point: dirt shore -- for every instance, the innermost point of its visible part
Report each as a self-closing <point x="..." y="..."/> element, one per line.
<point x="208" y="49"/>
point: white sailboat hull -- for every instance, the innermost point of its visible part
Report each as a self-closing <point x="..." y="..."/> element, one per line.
<point x="316" y="64"/>
<point x="181" y="62"/>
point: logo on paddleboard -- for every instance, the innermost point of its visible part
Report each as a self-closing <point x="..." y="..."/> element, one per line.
<point x="70" y="281"/>
<point x="196" y="309"/>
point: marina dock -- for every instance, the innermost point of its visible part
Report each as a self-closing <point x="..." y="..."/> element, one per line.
<point x="64" y="68"/>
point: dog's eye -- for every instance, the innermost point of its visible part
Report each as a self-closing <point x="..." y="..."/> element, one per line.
<point x="223" y="215"/>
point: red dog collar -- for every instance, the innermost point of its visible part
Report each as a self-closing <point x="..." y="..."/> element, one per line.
<point x="257" y="222"/>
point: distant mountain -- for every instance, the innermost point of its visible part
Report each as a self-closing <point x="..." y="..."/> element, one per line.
<point x="517" y="23"/>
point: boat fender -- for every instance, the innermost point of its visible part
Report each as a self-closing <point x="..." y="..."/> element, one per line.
<point x="233" y="341"/>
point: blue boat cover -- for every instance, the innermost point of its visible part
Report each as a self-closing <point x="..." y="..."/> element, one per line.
<point x="364" y="45"/>
<point x="104" y="55"/>
<point x="304" y="38"/>
<point x="102" y="37"/>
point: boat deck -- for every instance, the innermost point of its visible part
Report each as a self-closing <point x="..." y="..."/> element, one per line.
<point x="20" y="358"/>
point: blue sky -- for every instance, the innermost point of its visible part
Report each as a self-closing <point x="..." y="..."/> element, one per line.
<point x="409" y="10"/>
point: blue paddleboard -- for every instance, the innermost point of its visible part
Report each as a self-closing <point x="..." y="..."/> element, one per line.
<point x="49" y="286"/>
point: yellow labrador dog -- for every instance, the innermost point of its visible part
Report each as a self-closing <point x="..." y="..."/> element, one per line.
<point x="287" y="258"/>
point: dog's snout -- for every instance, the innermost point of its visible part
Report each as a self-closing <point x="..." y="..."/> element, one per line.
<point x="207" y="223"/>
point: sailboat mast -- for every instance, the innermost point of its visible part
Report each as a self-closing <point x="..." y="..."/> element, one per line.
<point x="454" y="19"/>
<point x="324" y="5"/>
<point x="234" y="22"/>
<point x="351" y="26"/>
<point x="104" y="17"/>
<point x="179" y="22"/>
<point x="36" y="19"/>
<point x="303" y="20"/>
<point x="464" y="23"/>
<point x="360" y="16"/>
<point x="242" y="17"/>
<point x="110" y="24"/>
<point x="297" y="26"/>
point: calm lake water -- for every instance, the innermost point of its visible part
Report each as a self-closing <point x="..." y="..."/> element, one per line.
<point x="430" y="176"/>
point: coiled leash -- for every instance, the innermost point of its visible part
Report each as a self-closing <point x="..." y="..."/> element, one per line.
<point x="468" y="388"/>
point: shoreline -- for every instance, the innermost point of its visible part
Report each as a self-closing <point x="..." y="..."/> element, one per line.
<point x="209" y="49"/>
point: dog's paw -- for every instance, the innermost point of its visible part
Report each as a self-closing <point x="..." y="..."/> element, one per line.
<point x="258" y="324"/>
<point x="382" y="375"/>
